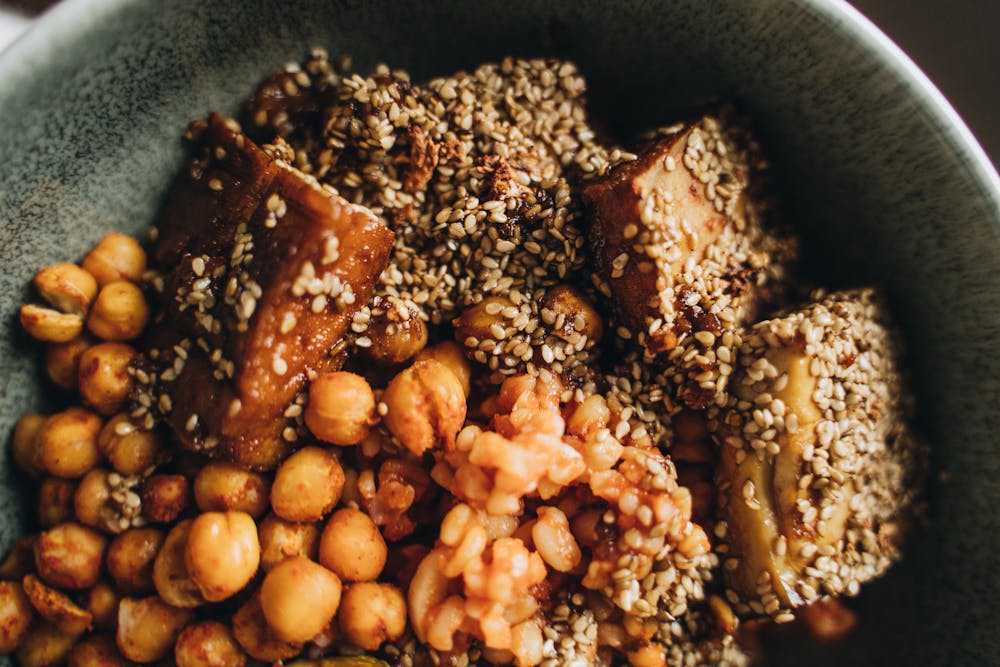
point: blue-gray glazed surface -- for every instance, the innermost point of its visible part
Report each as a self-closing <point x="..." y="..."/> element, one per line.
<point x="880" y="179"/>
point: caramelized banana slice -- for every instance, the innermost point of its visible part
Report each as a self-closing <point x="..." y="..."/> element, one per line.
<point x="819" y="473"/>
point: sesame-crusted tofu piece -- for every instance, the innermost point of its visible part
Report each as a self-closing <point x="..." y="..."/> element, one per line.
<point x="681" y="250"/>
<point x="260" y="271"/>
<point x="820" y="474"/>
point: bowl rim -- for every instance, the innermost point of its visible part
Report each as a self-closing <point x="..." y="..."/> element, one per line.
<point x="66" y="21"/>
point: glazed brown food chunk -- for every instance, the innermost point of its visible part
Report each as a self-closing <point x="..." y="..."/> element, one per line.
<point x="262" y="271"/>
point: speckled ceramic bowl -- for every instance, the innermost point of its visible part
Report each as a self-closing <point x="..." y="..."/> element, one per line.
<point x="882" y="178"/>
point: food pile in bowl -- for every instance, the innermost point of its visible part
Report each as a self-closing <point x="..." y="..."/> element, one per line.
<point x="428" y="374"/>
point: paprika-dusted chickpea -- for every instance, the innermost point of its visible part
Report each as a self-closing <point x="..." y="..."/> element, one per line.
<point x="341" y="408"/>
<point x="426" y="406"/>
<point x="222" y="486"/>
<point x="395" y="342"/>
<point x="56" y="607"/>
<point x="96" y="651"/>
<point x="299" y="598"/>
<point x="372" y="613"/>
<point x="251" y="630"/>
<point x="49" y="325"/>
<point x="55" y="502"/>
<point x="280" y="539"/>
<point x="69" y="556"/>
<point x="90" y="502"/>
<point x="15" y="616"/>
<point x="352" y="546"/>
<point x="104" y="380"/>
<point x="66" y="287"/>
<point x="26" y="443"/>
<point x="573" y="313"/>
<point x="208" y="644"/>
<point x="130" y="558"/>
<point x="164" y="497"/>
<point x="101" y="602"/>
<point x="222" y="553"/>
<point x="62" y="361"/>
<point x="307" y="485"/>
<point x="44" y="646"/>
<point x="119" y="313"/>
<point x="450" y="354"/>
<point x="68" y="443"/>
<point x="148" y="627"/>
<point x="116" y="257"/>
<point x="130" y="449"/>
<point x="170" y="572"/>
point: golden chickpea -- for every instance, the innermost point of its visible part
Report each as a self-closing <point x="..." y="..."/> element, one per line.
<point x="44" y="646"/>
<point x="164" y="497"/>
<point x="66" y="287"/>
<point x="55" y="502"/>
<point x="48" y="325"/>
<point x="104" y="380"/>
<point x="130" y="449"/>
<point x="222" y="553"/>
<point x="480" y="320"/>
<point x="148" y="628"/>
<point x="307" y="485"/>
<point x="573" y="313"/>
<point x="56" y="607"/>
<point x="352" y="546"/>
<point x="221" y="487"/>
<point x="372" y="613"/>
<point x="21" y="559"/>
<point x="251" y="630"/>
<point x="395" y="342"/>
<point x="130" y="558"/>
<point x="208" y="644"/>
<point x="101" y="602"/>
<point x="426" y="406"/>
<point x="341" y="408"/>
<point x="90" y="503"/>
<point x="170" y="572"/>
<point x="280" y="539"/>
<point x="26" y="443"/>
<point x="15" y="616"/>
<point x="450" y="354"/>
<point x="116" y="257"/>
<point x="69" y="556"/>
<point x="62" y="362"/>
<point x="119" y="313"/>
<point x="68" y="443"/>
<point x="96" y="651"/>
<point x="299" y="598"/>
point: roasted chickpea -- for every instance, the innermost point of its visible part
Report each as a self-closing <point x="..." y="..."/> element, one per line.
<point x="352" y="546"/>
<point x="44" y="646"/>
<point x="148" y="628"/>
<point x="307" y="485"/>
<point x="69" y="556"/>
<point x="170" y="572"/>
<point x="48" y="325"/>
<point x="222" y="553"/>
<point x="96" y="651"/>
<point x="251" y="630"/>
<point x="130" y="449"/>
<point x="15" y="616"/>
<point x="101" y="602"/>
<point x="55" y="607"/>
<point x="55" y="502"/>
<point x="21" y="559"/>
<point x="68" y="443"/>
<point x="450" y="354"/>
<point x="164" y="497"/>
<point x="341" y="408"/>
<point x="104" y="380"/>
<point x="280" y="539"/>
<point x="299" y="598"/>
<point x="26" y="443"/>
<point x="221" y="486"/>
<point x="130" y="559"/>
<point x="90" y="502"/>
<point x="372" y="613"/>
<point x="426" y="406"/>
<point x="119" y="313"/>
<point x="116" y="257"/>
<point x="572" y="313"/>
<point x="62" y="361"/>
<point x="480" y="321"/>
<point x="394" y="342"/>
<point x="208" y="644"/>
<point x="66" y="287"/>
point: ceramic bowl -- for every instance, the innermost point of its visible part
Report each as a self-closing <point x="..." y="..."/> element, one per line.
<point x="881" y="178"/>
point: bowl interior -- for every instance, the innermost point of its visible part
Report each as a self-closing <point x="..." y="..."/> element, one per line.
<point x="876" y="179"/>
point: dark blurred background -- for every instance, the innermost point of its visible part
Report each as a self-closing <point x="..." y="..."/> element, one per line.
<point x="953" y="41"/>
